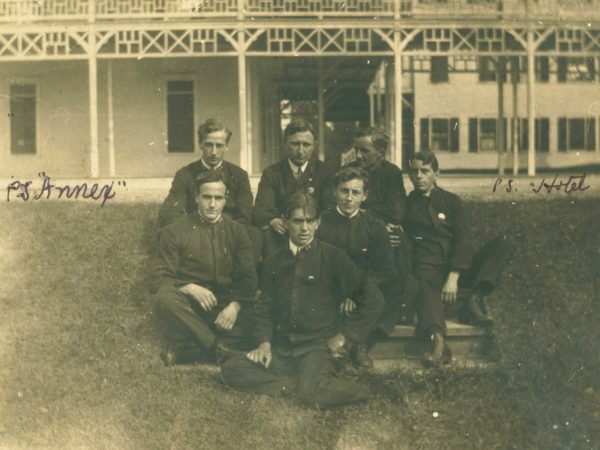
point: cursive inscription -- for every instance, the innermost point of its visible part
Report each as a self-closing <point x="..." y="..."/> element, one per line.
<point x="575" y="183"/>
<point x="94" y="191"/>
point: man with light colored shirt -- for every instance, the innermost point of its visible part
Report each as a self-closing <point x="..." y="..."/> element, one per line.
<point x="204" y="278"/>
<point x="298" y="172"/>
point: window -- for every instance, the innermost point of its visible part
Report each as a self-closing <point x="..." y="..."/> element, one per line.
<point x="439" y="135"/>
<point x="439" y="69"/>
<point x="180" y="116"/>
<point x="542" y="68"/>
<point x="487" y="67"/>
<point x="542" y="134"/>
<point x="574" y="69"/>
<point x="22" y="119"/>
<point x="482" y="135"/>
<point x="576" y="134"/>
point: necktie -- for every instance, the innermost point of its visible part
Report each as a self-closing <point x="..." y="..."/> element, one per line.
<point x="298" y="173"/>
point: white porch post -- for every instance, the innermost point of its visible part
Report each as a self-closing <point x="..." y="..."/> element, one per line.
<point x="93" y="95"/>
<point x="371" y="107"/>
<point x="397" y="150"/>
<point x="531" y="103"/>
<point x="321" y="109"/>
<point x="111" y="123"/>
<point x="245" y="155"/>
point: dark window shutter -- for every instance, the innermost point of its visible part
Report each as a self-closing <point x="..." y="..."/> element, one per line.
<point x="562" y="134"/>
<point x="563" y="64"/>
<point x="590" y="129"/>
<point x="454" y="134"/>
<point x="439" y="69"/>
<point x="543" y="68"/>
<point x="524" y="134"/>
<point x="544" y="134"/>
<point x="591" y="69"/>
<point x="424" y="134"/>
<point x="473" y="134"/>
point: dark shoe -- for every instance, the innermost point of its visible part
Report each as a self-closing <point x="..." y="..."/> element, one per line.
<point x="440" y="352"/>
<point x="361" y="358"/>
<point x="476" y="311"/>
<point x="172" y="356"/>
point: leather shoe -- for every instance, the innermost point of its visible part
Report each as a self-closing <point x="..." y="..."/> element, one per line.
<point x="440" y="352"/>
<point x="475" y="306"/>
<point x="171" y="355"/>
<point x="361" y="358"/>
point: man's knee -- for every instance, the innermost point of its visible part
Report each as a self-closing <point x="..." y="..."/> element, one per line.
<point x="169" y="298"/>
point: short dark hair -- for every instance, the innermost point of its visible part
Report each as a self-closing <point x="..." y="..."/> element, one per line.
<point x="303" y="201"/>
<point x="209" y="176"/>
<point x="380" y="139"/>
<point x="427" y="158"/>
<point x="298" y="126"/>
<point x="352" y="173"/>
<point x="211" y="126"/>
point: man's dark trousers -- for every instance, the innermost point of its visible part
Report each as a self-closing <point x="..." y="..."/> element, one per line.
<point x="311" y="376"/>
<point x="483" y="275"/>
<point x="188" y="326"/>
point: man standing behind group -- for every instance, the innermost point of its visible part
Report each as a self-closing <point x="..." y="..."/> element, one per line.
<point x="204" y="278"/>
<point x="213" y="138"/>
<point x="298" y="172"/>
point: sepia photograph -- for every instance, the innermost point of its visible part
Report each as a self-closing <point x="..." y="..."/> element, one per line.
<point x="300" y="224"/>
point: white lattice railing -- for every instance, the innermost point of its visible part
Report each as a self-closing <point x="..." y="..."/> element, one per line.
<point x="93" y="10"/>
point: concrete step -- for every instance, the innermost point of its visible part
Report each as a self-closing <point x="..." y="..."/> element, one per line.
<point x="467" y="342"/>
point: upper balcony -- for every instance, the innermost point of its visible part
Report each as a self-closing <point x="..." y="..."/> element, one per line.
<point x="29" y="11"/>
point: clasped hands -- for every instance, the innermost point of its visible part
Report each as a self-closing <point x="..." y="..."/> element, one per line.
<point x="207" y="300"/>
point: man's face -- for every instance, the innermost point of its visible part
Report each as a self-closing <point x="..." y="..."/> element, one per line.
<point x="349" y="195"/>
<point x="301" y="227"/>
<point x="422" y="176"/>
<point x="214" y="147"/>
<point x="211" y="200"/>
<point x="300" y="147"/>
<point x="366" y="152"/>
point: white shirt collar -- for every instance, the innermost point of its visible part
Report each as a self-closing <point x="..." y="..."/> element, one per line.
<point x="295" y="249"/>
<point x="294" y="167"/>
<point x="206" y="166"/>
<point x="354" y="214"/>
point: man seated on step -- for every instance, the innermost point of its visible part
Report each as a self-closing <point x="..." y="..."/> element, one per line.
<point x="300" y="171"/>
<point x="213" y="138"/>
<point x="437" y="227"/>
<point x="205" y="278"/>
<point x="298" y="321"/>
<point x="365" y="239"/>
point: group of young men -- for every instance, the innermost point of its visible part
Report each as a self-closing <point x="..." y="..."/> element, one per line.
<point x="343" y="255"/>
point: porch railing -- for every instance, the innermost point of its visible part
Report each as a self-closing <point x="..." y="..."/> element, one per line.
<point x="132" y="10"/>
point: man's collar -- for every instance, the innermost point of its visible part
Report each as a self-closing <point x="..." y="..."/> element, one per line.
<point x="354" y="214"/>
<point x="294" y="167"/>
<point x="295" y="249"/>
<point x="206" y="166"/>
<point x="205" y="220"/>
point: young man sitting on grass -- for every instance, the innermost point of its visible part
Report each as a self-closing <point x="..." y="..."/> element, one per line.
<point x="205" y="279"/>
<point x="437" y="227"/>
<point x="365" y="239"/>
<point x="298" y="321"/>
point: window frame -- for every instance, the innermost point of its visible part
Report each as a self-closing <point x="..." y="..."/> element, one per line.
<point x="564" y="126"/>
<point x="165" y="79"/>
<point x="452" y="137"/>
<point x="562" y="72"/>
<point x="24" y="81"/>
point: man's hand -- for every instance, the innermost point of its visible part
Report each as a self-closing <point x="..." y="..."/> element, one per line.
<point x="450" y="289"/>
<point x="226" y="318"/>
<point x="336" y="345"/>
<point x="394" y="233"/>
<point x="347" y="307"/>
<point x="261" y="355"/>
<point x="203" y="296"/>
<point x="277" y="225"/>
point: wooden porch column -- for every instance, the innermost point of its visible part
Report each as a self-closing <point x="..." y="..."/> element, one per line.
<point x="397" y="150"/>
<point x="245" y="154"/>
<point x="321" y="109"/>
<point x="515" y="115"/>
<point x="531" y="103"/>
<point x="111" y="123"/>
<point x="371" y="107"/>
<point x="93" y="95"/>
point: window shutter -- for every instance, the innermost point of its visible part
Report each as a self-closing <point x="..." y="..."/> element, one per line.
<point x="473" y="135"/>
<point x="562" y="134"/>
<point x="590" y="128"/>
<point x="454" y="134"/>
<point x="544" y="134"/>
<point x="563" y="64"/>
<point x="424" y="134"/>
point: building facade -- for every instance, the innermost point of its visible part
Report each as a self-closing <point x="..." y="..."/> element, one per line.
<point x="105" y="88"/>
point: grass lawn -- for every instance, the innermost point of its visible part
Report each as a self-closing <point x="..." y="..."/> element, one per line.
<point x="80" y="366"/>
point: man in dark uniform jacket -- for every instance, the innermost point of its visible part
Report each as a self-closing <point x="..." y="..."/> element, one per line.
<point x="436" y="224"/>
<point x="297" y="318"/>
<point x="365" y="239"/>
<point x="299" y="172"/>
<point x="204" y="278"/>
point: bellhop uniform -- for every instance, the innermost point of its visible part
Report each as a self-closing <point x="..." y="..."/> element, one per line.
<point x="216" y="256"/>
<point x="365" y="239"/>
<point x="441" y="243"/>
<point x="298" y="311"/>
<point x="277" y="184"/>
